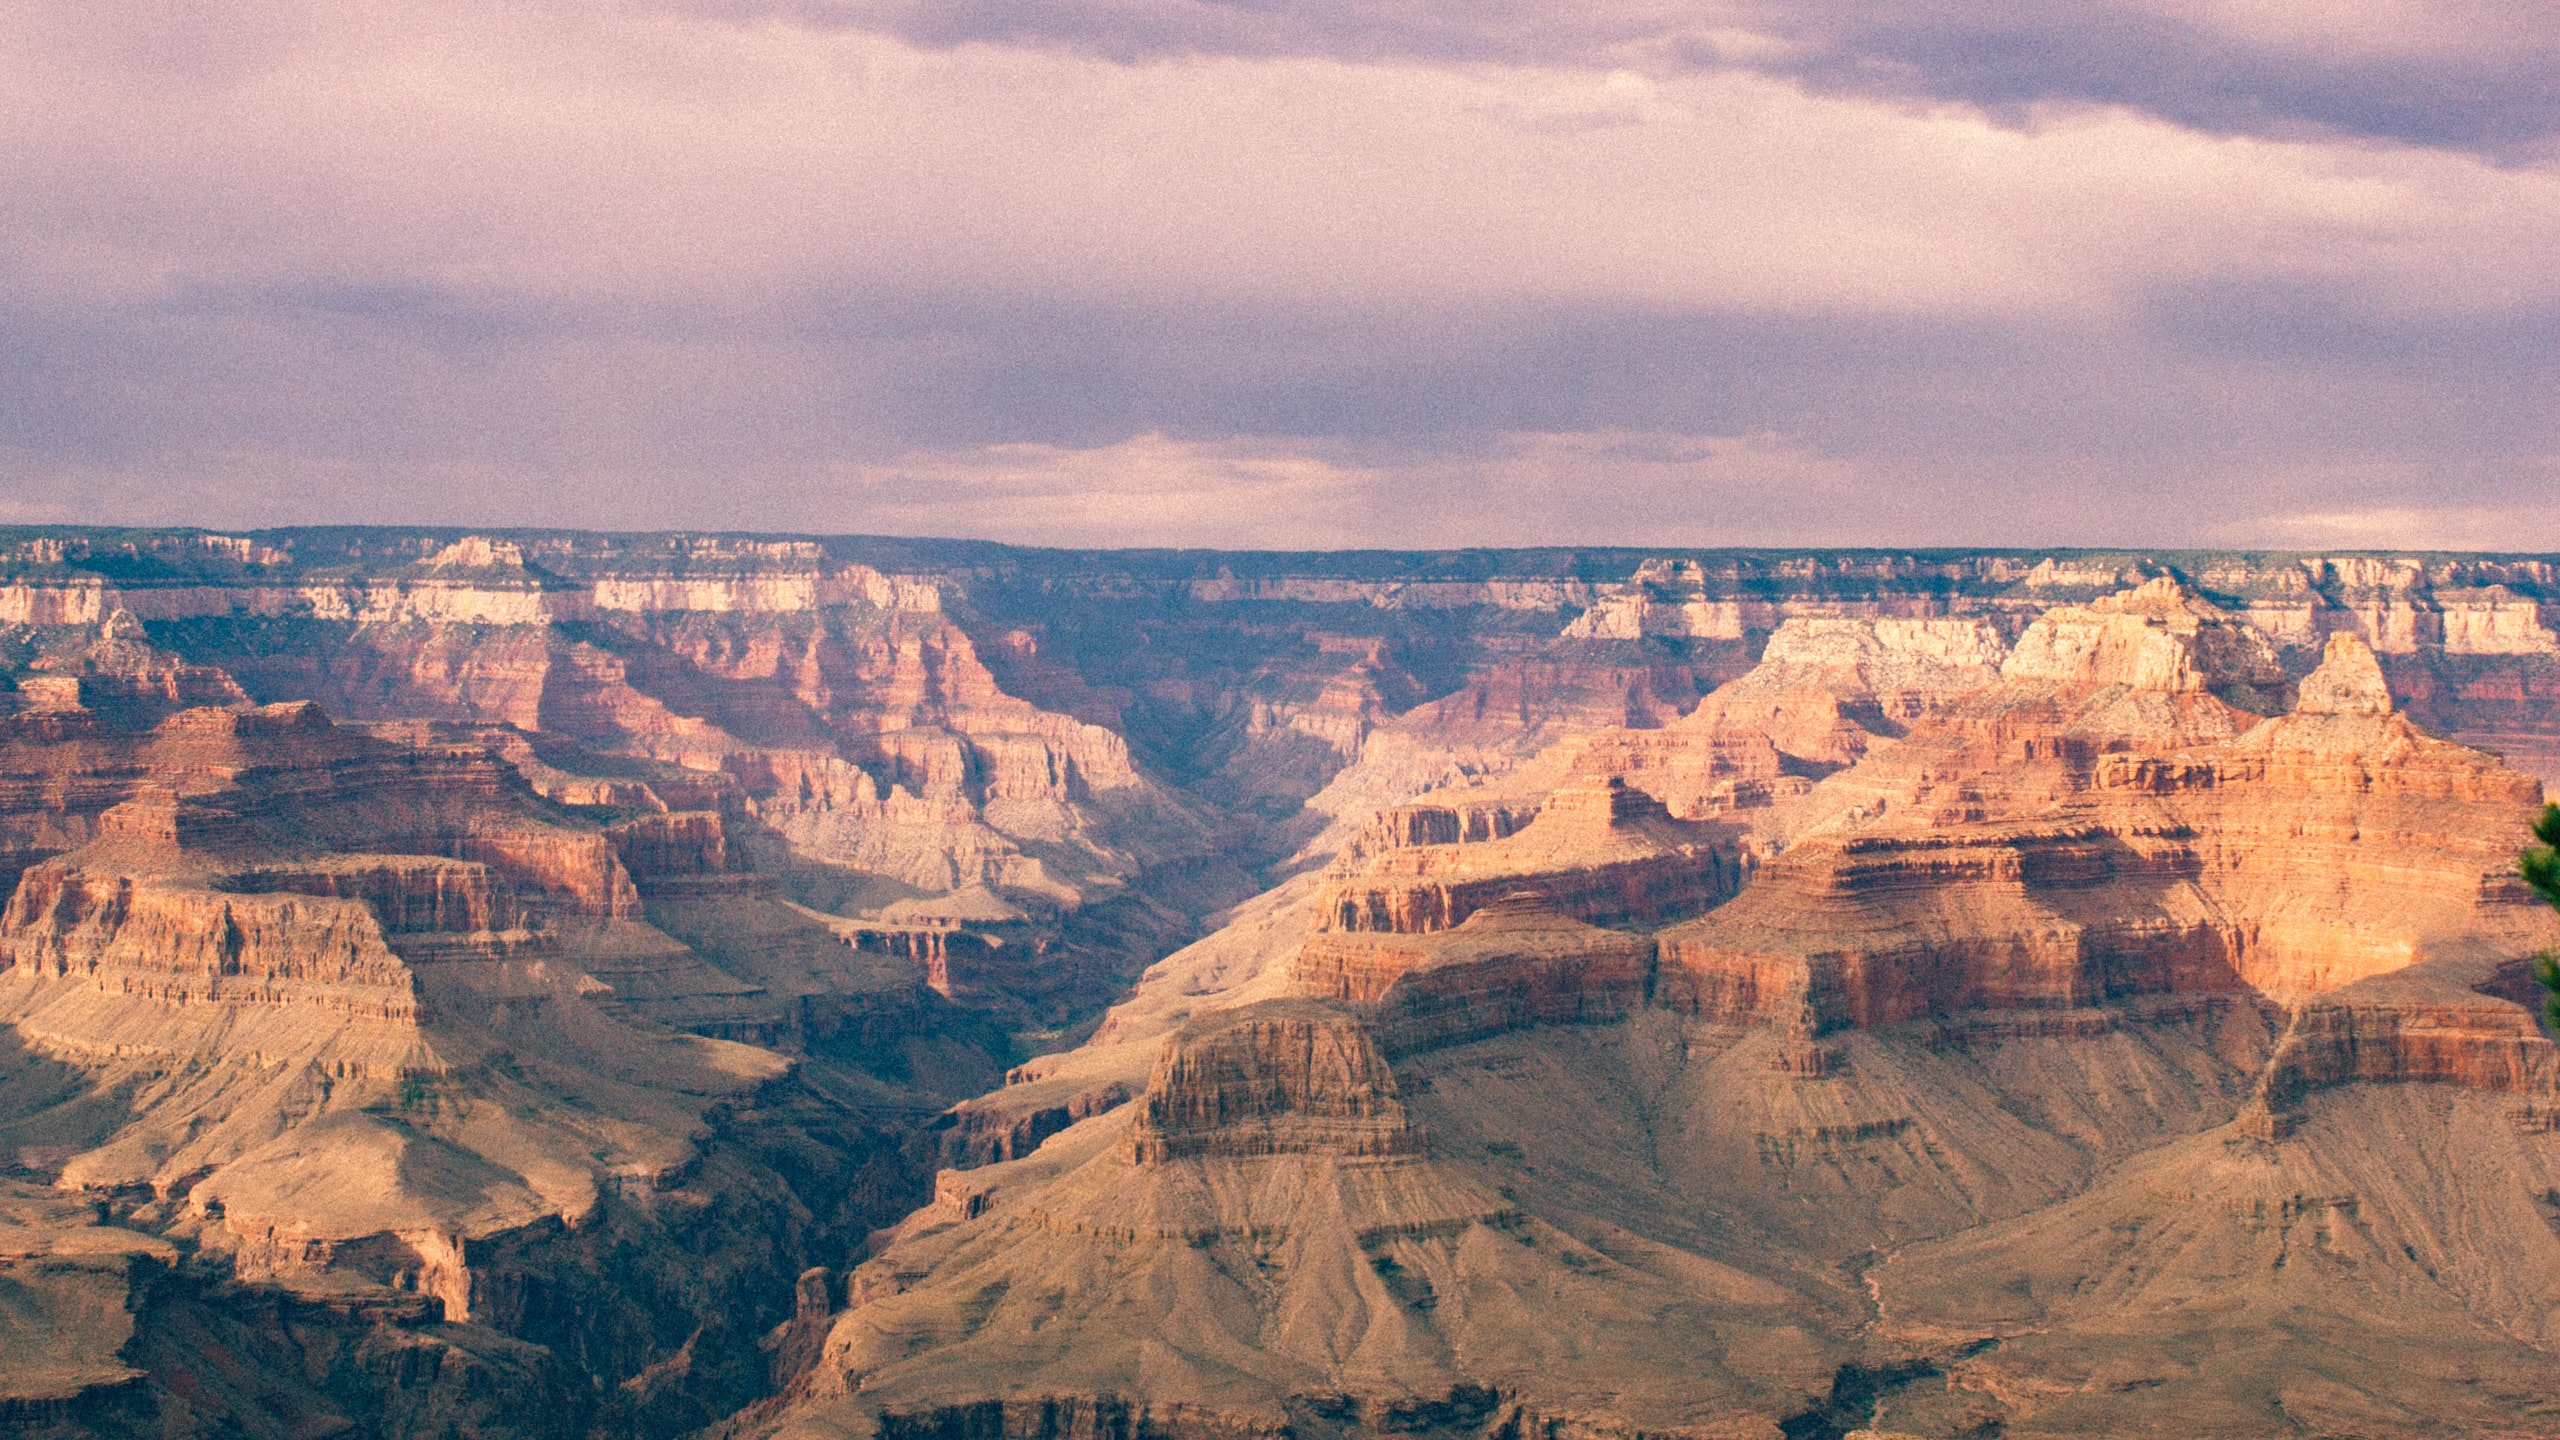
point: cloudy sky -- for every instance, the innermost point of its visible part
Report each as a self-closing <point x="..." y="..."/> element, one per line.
<point x="1291" y="272"/>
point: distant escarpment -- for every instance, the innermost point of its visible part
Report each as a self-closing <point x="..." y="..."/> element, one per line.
<point x="2168" y="845"/>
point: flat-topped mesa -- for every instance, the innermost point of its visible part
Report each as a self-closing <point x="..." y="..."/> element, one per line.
<point x="266" y="861"/>
<point x="234" y="789"/>
<point x="1449" y="818"/>
<point x="2160" y="636"/>
<point x="1515" y="963"/>
<point x="1599" y="850"/>
<point x="1593" y="811"/>
<point x="478" y="552"/>
<point x="1870" y="931"/>
<point x="288" y="766"/>
<point x="2477" y="1042"/>
<point x="182" y="945"/>
<point x="1281" y="1078"/>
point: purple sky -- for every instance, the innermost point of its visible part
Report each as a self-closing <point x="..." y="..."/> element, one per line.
<point x="1292" y="272"/>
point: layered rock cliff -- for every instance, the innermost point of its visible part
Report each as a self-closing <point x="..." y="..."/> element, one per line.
<point x="345" y="1017"/>
<point x="2110" y="898"/>
<point x="1599" y="849"/>
<point x="1655" y="950"/>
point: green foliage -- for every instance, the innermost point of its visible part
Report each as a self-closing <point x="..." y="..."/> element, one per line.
<point x="2540" y="867"/>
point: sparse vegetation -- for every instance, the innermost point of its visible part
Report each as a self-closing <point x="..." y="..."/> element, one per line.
<point x="2540" y="866"/>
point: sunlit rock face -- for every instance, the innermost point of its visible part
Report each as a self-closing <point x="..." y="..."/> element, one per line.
<point x="1598" y="848"/>
<point x="1276" y="1083"/>
<point x="2159" y="637"/>
<point x="541" y="984"/>
<point x="372" y="1021"/>
<point x="2005" y="915"/>
<point x="2056" y="845"/>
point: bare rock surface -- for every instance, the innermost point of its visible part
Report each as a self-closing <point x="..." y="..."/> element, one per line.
<point x="2089" y="941"/>
<point x="536" y="984"/>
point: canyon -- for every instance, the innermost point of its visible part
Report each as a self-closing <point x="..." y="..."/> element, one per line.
<point x="557" y="984"/>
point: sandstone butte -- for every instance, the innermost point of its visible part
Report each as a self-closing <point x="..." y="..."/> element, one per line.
<point x="561" y="985"/>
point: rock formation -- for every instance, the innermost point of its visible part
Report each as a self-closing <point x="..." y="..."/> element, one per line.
<point x="1957" y="987"/>
<point x="547" y="985"/>
<point x="1599" y="849"/>
<point x="1515" y="963"/>
<point x="346" y="1016"/>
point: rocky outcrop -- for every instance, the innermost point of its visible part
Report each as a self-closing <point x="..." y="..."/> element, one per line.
<point x="2159" y="636"/>
<point x="258" y="791"/>
<point x="954" y="962"/>
<point x="677" y="844"/>
<point x="830" y="809"/>
<point x="408" y="893"/>
<point x="124" y="678"/>
<point x="1600" y="850"/>
<point x="1827" y="688"/>
<point x="1825" y="691"/>
<point x="1515" y="963"/>
<point x="1876" y="931"/>
<point x="2474" y="1042"/>
<point x="71" y="1284"/>
<point x="182" y="946"/>
<point x="1011" y="1124"/>
<point x="2349" y="681"/>
<point x="577" y="873"/>
<point x="1276" y="1080"/>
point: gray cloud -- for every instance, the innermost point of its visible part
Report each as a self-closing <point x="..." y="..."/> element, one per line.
<point x="2475" y="76"/>
<point x="1948" y="433"/>
<point x="1283" y="274"/>
<point x="2472" y="74"/>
